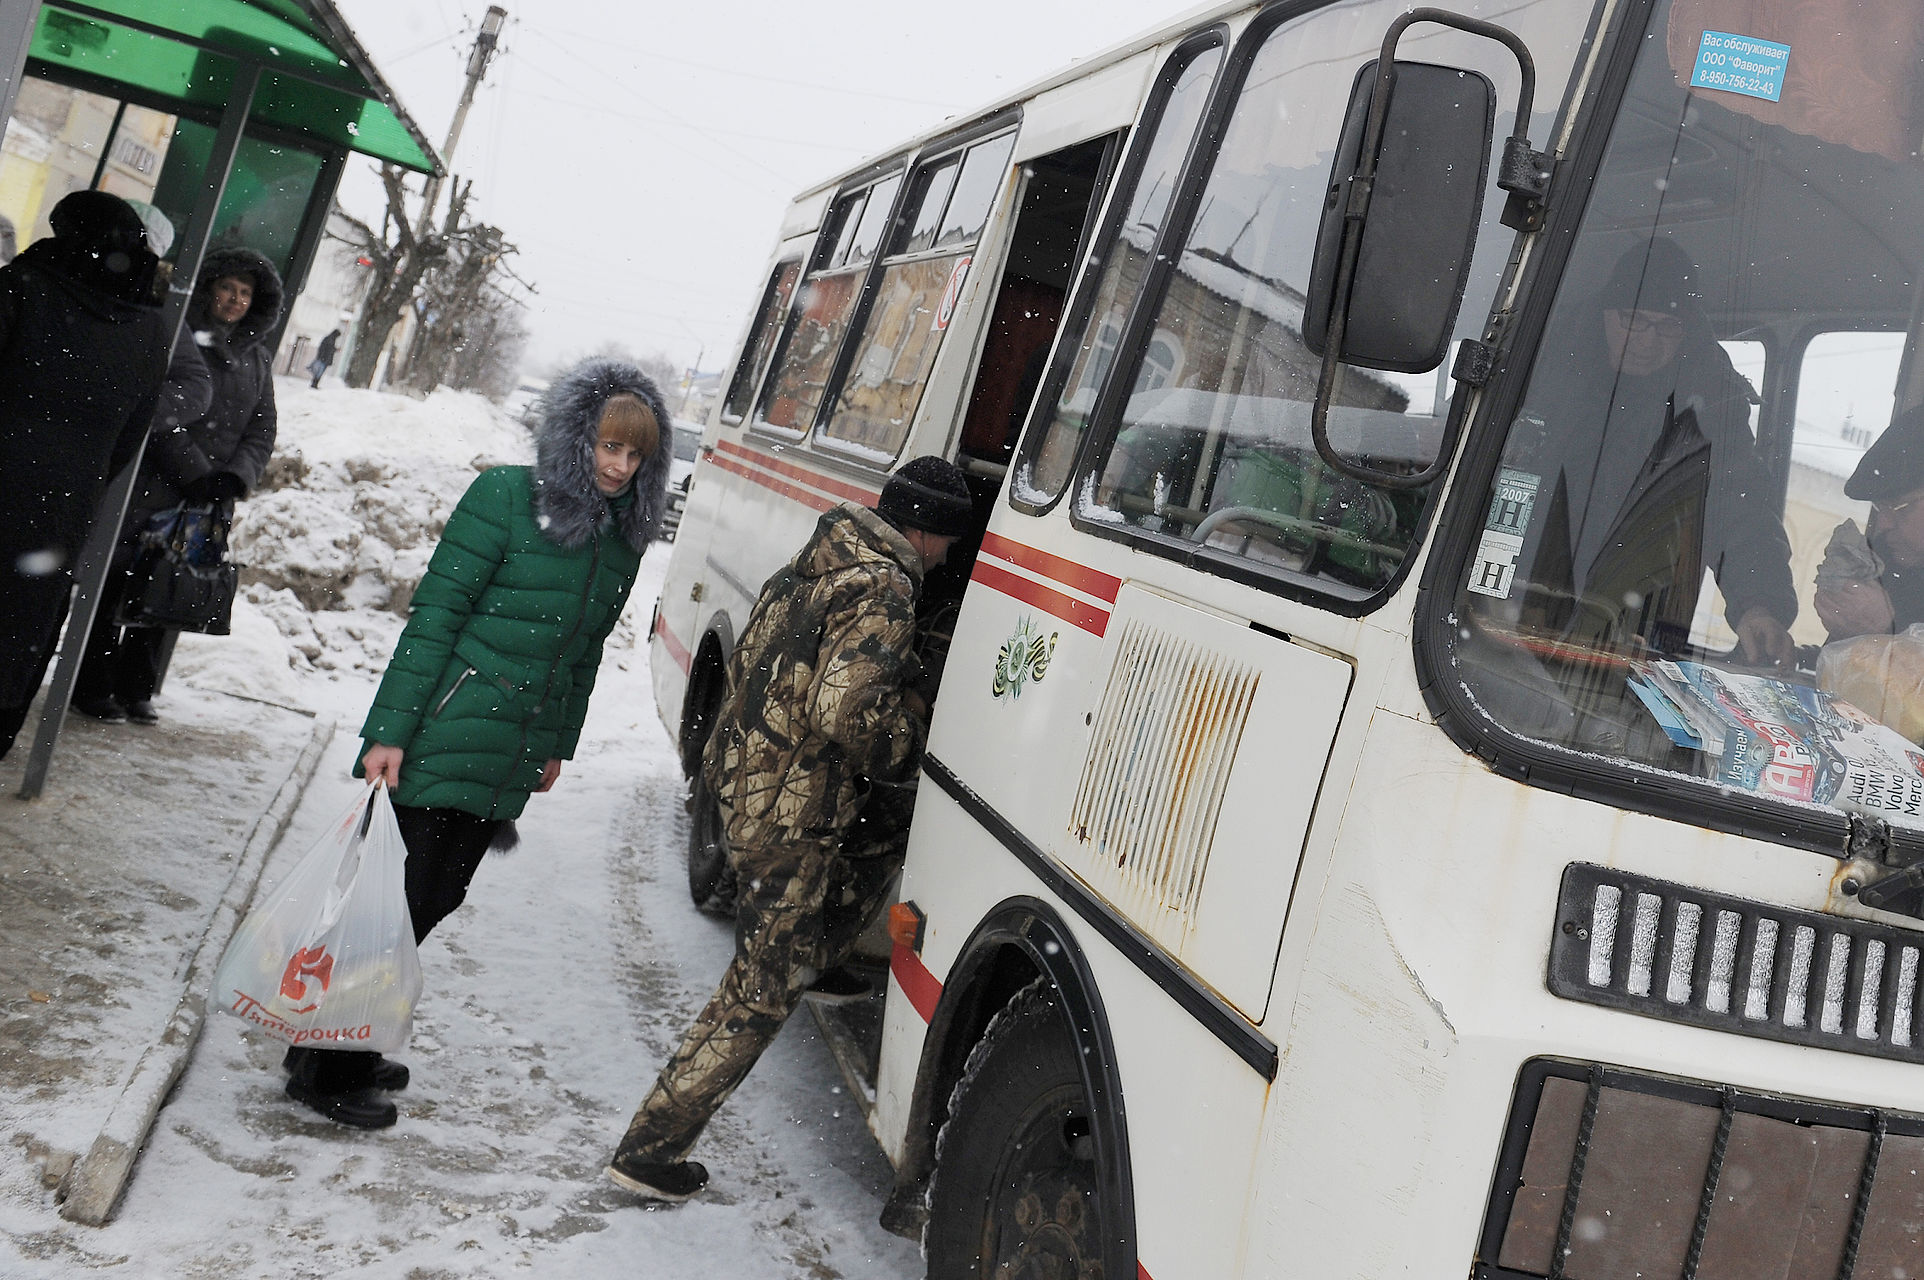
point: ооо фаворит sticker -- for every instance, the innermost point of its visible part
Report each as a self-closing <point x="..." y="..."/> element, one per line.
<point x="1741" y="64"/>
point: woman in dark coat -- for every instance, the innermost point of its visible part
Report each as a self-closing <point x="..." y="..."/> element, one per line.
<point x="485" y="695"/>
<point x="83" y="353"/>
<point x="216" y="456"/>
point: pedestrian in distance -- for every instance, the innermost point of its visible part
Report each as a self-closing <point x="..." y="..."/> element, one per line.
<point x="485" y="695"/>
<point x="213" y="457"/>
<point x="821" y="709"/>
<point x="83" y="354"/>
<point x="324" y="356"/>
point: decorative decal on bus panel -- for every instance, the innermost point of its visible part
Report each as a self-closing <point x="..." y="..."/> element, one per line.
<point x="1075" y="593"/>
<point x="1024" y="657"/>
<point x="1741" y="64"/>
<point x="812" y="489"/>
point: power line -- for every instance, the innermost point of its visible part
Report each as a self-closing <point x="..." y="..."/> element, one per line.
<point x="550" y="32"/>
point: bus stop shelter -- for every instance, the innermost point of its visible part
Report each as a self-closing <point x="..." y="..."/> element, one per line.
<point x="233" y="118"/>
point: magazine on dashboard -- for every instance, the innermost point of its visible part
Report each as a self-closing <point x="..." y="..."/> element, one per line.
<point x="1775" y="738"/>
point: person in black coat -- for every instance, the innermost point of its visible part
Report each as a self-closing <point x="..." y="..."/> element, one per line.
<point x="83" y="354"/>
<point x="324" y="356"/>
<point x="1637" y="430"/>
<point x="215" y="457"/>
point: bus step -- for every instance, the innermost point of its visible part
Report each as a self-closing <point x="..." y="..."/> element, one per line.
<point x="853" y="1033"/>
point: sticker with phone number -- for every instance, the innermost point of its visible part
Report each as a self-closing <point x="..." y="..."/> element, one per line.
<point x="1741" y="64"/>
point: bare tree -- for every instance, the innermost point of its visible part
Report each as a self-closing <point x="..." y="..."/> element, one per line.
<point x="489" y="361"/>
<point x="449" y="310"/>
<point x="399" y="261"/>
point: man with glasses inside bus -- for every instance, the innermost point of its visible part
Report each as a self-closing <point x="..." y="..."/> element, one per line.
<point x="1873" y="583"/>
<point x="1637" y="434"/>
<point x="821" y="705"/>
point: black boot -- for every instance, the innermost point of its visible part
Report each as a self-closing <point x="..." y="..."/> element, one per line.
<point x="335" y="1083"/>
<point x="670" y="1181"/>
<point x="384" y="1074"/>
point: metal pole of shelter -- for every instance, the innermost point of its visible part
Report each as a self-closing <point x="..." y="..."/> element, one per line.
<point x="96" y="558"/>
<point x="17" y="18"/>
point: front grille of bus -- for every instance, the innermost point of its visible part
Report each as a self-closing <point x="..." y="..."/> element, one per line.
<point x="1607" y="1174"/>
<point x="1677" y="953"/>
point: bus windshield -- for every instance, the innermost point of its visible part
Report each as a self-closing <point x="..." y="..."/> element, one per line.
<point x="1703" y="545"/>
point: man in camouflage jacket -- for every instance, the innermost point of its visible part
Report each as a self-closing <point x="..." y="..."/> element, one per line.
<point x="820" y="706"/>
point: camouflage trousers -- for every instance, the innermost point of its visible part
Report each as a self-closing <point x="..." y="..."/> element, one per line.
<point x="801" y="907"/>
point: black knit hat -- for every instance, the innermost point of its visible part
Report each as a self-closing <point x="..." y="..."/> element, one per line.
<point x="1894" y="465"/>
<point x="928" y="493"/>
<point x="1658" y="276"/>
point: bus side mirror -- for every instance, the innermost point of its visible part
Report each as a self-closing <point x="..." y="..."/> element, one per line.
<point x="1418" y="216"/>
<point x="1393" y="249"/>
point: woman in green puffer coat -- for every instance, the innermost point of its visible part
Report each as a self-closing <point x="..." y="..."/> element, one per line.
<point x="489" y="683"/>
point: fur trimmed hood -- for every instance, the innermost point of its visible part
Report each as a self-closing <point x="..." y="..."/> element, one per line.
<point x="570" y="505"/>
<point x="262" y="314"/>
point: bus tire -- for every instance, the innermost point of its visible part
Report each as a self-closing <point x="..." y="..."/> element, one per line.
<point x="711" y="884"/>
<point x="1015" y="1191"/>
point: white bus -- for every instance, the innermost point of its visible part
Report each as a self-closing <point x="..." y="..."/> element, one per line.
<point x="1394" y="806"/>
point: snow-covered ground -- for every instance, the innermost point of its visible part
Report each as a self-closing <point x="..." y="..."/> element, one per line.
<point x="552" y="996"/>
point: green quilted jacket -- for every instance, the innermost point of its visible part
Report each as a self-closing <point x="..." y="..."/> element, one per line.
<point x="490" y="679"/>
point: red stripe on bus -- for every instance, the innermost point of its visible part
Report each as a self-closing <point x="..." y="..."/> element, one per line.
<point x="1091" y="582"/>
<point x="853" y="493"/>
<point x="1079" y="613"/>
<point x="917" y="983"/>
<point x="682" y="657"/>
<point x="814" y="501"/>
<point x="1142" y="1272"/>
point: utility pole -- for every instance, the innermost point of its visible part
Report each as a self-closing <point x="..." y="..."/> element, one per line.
<point x="484" y="45"/>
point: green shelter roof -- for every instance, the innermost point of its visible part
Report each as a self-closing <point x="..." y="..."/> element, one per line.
<point x="316" y="79"/>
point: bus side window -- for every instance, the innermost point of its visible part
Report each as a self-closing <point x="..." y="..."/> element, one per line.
<point x="922" y="274"/>
<point x="761" y="341"/>
<point x="1058" y="196"/>
<point x="825" y="306"/>
<point x="1209" y="453"/>
<point x="1166" y="137"/>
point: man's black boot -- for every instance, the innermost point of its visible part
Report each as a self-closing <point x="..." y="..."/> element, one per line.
<point x="671" y="1181"/>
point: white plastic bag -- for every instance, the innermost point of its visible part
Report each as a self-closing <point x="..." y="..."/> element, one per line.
<point x="328" y="960"/>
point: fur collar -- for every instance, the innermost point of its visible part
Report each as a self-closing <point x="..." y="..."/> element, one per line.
<point x="570" y="506"/>
<point x="253" y="328"/>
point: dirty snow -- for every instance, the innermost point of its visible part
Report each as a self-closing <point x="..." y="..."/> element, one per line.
<point x="552" y="996"/>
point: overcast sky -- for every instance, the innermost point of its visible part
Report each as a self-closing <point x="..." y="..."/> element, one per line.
<point x="640" y="154"/>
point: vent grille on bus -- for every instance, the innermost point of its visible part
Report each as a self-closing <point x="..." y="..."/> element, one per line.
<point x="1159" y="760"/>
<point x="1671" y="952"/>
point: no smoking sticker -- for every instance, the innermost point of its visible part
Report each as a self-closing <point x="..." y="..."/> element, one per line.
<point x="953" y="293"/>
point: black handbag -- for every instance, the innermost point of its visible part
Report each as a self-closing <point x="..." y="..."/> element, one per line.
<point x="181" y="577"/>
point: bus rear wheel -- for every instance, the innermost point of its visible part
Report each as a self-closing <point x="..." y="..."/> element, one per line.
<point x="711" y="884"/>
<point x="1016" y="1193"/>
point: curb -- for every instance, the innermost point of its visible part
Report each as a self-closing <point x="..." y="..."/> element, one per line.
<point x="92" y="1188"/>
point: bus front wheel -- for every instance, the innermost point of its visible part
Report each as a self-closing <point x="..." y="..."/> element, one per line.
<point x="1016" y="1192"/>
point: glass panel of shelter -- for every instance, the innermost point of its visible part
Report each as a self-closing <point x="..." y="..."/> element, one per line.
<point x="63" y="139"/>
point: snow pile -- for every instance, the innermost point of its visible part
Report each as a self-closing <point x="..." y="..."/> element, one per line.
<point x="340" y="531"/>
